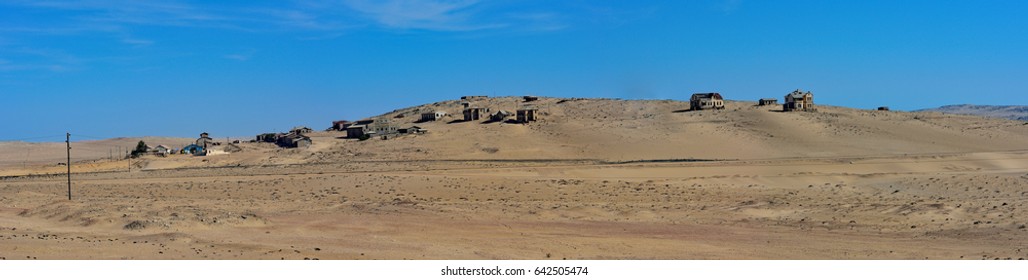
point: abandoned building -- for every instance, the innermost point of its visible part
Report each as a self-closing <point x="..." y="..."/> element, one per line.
<point x="703" y="101"/>
<point x="301" y="130"/>
<point x="527" y="115"/>
<point x="473" y="113"/>
<point x="530" y="98"/>
<point x="232" y="148"/>
<point x="355" y="131"/>
<point x="798" y="100"/>
<point x="162" y="150"/>
<point x="500" y="116"/>
<point x="340" y="125"/>
<point x="471" y="97"/>
<point x="412" y="130"/>
<point x="268" y="137"/>
<point x="382" y="126"/>
<point x="767" y="101"/>
<point x="194" y="149"/>
<point x="883" y="108"/>
<point x="294" y="140"/>
<point x="371" y="128"/>
<point x="432" y="116"/>
<point x="205" y="140"/>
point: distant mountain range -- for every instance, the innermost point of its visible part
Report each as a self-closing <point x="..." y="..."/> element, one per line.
<point x="1012" y="112"/>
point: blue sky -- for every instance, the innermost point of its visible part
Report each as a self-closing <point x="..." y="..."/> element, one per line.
<point x="236" y="68"/>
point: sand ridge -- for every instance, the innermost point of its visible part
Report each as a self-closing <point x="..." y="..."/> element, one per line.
<point x="595" y="179"/>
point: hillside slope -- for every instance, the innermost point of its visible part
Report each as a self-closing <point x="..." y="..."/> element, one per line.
<point x="602" y="130"/>
<point x="1004" y="112"/>
<point x="609" y="129"/>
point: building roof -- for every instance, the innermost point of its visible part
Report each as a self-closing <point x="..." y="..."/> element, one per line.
<point x="712" y="95"/>
<point x="766" y="99"/>
<point x="798" y="94"/>
<point x="357" y="126"/>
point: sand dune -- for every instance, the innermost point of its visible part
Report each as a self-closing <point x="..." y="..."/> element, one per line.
<point x="591" y="180"/>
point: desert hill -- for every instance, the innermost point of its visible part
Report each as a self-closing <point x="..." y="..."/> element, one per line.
<point x="838" y="183"/>
<point x="1004" y="112"/>
<point x="619" y="130"/>
<point x="27" y="153"/>
<point x="604" y="130"/>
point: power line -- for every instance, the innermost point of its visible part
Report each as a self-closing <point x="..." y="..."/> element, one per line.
<point x="30" y="138"/>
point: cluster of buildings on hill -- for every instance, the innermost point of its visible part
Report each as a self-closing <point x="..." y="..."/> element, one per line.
<point x="204" y="145"/>
<point x="385" y="128"/>
<point x="797" y="100"/>
<point x="525" y="114"/>
<point x="295" y="138"/>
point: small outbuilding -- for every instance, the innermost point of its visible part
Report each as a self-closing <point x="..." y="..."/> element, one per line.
<point x="883" y="108"/>
<point x="412" y="130"/>
<point x="767" y="101"/>
<point x="704" y="101"/>
<point x="500" y="116"/>
<point x="162" y="150"/>
<point x="530" y="98"/>
<point x="432" y="116"/>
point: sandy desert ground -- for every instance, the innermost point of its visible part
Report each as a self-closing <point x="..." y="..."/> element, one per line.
<point x="594" y="179"/>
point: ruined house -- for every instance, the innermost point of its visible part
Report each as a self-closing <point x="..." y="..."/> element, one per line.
<point x="472" y="97"/>
<point x="301" y="130"/>
<point x="412" y="130"/>
<point x="194" y="149"/>
<point x="798" y="100"/>
<point x="340" y="125"/>
<point x="767" y="101"/>
<point x="530" y="98"/>
<point x="500" y="116"/>
<point x="356" y="131"/>
<point x="232" y="148"/>
<point x="432" y="116"/>
<point x="162" y="150"/>
<point x="205" y="140"/>
<point x="294" y="140"/>
<point x="382" y="126"/>
<point x="473" y="113"/>
<point x="883" y="108"/>
<point x="268" y="137"/>
<point x="371" y="128"/>
<point x="704" y="101"/>
<point x="527" y="115"/>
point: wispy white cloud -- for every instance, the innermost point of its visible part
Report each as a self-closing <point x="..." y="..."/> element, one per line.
<point x="445" y="15"/>
<point x="137" y="42"/>
<point x="242" y="56"/>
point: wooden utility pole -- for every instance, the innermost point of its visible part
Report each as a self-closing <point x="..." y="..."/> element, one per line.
<point x="67" y="140"/>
